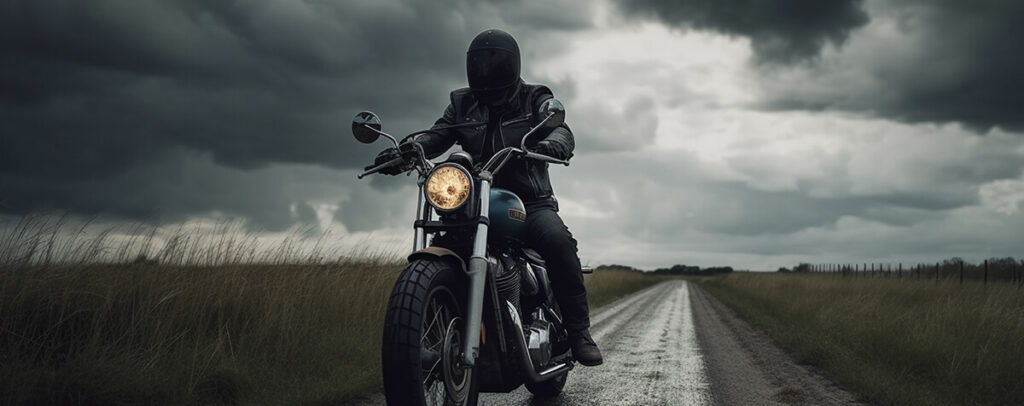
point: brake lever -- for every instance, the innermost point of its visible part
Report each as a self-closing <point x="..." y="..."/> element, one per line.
<point x="378" y="168"/>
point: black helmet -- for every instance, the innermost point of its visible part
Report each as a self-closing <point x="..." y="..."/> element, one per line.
<point x="492" y="67"/>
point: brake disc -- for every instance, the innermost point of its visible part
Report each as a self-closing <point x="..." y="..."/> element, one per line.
<point x="456" y="378"/>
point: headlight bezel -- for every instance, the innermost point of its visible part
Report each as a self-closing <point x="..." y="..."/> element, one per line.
<point x="464" y="172"/>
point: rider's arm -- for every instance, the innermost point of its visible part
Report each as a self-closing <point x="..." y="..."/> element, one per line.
<point x="438" y="140"/>
<point x="558" y="143"/>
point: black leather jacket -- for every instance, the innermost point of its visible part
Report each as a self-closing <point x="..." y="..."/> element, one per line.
<point x="526" y="178"/>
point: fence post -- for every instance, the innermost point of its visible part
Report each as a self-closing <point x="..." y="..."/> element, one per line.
<point x="961" y="272"/>
<point x="1020" y="279"/>
<point x="936" y="272"/>
<point x="899" y="271"/>
<point x="986" y="272"/>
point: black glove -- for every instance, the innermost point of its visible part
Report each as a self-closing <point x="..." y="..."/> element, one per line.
<point x="409" y="149"/>
<point x="543" y="148"/>
<point x="385" y="156"/>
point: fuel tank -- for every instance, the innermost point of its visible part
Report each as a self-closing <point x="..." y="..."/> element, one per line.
<point x="507" y="215"/>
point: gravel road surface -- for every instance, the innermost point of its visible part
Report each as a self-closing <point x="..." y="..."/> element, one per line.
<point x="674" y="344"/>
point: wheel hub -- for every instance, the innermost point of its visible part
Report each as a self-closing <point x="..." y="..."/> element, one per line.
<point x="456" y="378"/>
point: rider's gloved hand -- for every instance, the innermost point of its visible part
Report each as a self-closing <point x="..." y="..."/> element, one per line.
<point x="385" y="156"/>
<point x="543" y="148"/>
<point x="409" y="149"/>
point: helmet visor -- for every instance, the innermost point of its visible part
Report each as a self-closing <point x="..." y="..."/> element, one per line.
<point x="491" y="68"/>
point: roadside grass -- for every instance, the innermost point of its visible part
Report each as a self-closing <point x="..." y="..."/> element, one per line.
<point x="605" y="285"/>
<point x="898" y="342"/>
<point x="206" y="323"/>
<point x="109" y="334"/>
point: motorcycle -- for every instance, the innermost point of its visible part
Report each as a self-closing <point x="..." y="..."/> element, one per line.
<point x="473" y="311"/>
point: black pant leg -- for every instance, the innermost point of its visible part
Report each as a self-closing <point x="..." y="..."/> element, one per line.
<point x="550" y="237"/>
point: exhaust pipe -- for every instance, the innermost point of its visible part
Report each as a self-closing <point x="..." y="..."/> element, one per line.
<point x="524" y="353"/>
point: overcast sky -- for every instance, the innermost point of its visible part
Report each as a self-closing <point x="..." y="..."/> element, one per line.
<point x="748" y="133"/>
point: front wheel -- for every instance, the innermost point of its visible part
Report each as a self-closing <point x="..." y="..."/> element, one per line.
<point x="422" y="340"/>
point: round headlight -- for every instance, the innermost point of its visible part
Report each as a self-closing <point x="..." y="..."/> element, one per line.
<point x="447" y="187"/>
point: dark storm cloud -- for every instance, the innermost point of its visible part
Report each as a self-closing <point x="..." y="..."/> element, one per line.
<point x="947" y="61"/>
<point x="918" y="61"/>
<point x="779" y="31"/>
<point x="177" y="184"/>
<point x="93" y="94"/>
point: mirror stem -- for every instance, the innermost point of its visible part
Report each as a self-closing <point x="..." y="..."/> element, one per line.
<point x="388" y="136"/>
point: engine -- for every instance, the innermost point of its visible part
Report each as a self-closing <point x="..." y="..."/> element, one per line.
<point x="507" y="280"/>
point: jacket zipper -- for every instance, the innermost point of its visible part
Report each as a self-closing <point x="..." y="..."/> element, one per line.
<point x="529" y="165"/>
<point x="516" y="120"/>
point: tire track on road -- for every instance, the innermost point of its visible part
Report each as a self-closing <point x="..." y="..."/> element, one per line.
<point x="651" y="356"/>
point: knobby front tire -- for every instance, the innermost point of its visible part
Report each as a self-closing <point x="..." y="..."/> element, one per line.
<point x="427" y="300"/>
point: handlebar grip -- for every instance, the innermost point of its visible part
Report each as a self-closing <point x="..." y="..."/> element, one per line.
<point x="545" y="158"/>
<point x="376" y="169"/>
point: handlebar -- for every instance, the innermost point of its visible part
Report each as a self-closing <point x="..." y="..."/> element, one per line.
<point x="545" y="158"/>
<point x="497" y="161"/>
<point x="500" y="158"/>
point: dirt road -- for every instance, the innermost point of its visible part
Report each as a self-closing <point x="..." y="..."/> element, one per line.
<point x="674" y="344"/>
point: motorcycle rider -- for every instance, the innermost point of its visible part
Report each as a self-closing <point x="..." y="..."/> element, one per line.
<point x="497" y="96"/>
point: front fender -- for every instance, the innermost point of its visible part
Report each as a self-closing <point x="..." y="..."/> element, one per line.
<point x="438" y="252"/>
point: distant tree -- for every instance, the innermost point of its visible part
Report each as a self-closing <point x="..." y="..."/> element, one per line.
<point x="616" y="267"/>
<point x="692" y="270"/>
<point x="784" y="269"/>
<point x="953" y="262"/>
<point x="1003" y="262"/>
<point x="803" y="267"/>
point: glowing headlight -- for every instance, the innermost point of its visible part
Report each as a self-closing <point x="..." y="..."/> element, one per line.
<point x="447" y="187"/>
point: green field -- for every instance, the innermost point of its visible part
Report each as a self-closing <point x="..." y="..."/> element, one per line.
<point x="86" y="332"/>
<point x="892" y="341"/>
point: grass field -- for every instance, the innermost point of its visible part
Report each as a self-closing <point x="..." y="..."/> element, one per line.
<point x="85" y="332"/>
<point x="899" y="342"/>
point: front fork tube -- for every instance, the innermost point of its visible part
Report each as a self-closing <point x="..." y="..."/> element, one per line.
<point x="477" y="278"/>
<point x="423" y="212"/>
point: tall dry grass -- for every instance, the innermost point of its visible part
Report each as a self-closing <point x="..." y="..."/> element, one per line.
<point x="199" y="316"/>
<point x="605" y="285"/>
<point x="895" y="341"/>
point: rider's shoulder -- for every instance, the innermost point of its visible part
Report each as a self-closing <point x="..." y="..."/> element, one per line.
<point x="534" y="89"/>
<point x="460" y="95"/>
<point x="462" y="100"/>
<point x="536" y="93"/>
<point x="461" y="91"/>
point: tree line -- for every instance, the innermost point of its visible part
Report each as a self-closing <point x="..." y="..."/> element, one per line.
<point x="677" y="269"/>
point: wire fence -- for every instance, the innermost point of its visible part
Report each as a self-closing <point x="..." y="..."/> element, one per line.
<point x="1005" y="270"/>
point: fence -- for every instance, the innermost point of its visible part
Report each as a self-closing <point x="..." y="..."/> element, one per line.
<point x="1000" y="271"/>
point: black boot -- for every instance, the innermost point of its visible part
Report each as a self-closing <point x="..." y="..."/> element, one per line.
<point x="584" y="349"/>
<point x="576" y="315"/>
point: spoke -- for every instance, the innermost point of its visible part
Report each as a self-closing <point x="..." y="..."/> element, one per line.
<point x="435" y="346"/>
<point x="430" y="373"/>
<point x="433" y="321"/>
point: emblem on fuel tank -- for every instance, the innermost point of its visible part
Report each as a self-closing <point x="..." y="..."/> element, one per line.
<point x="516" y="214"/>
